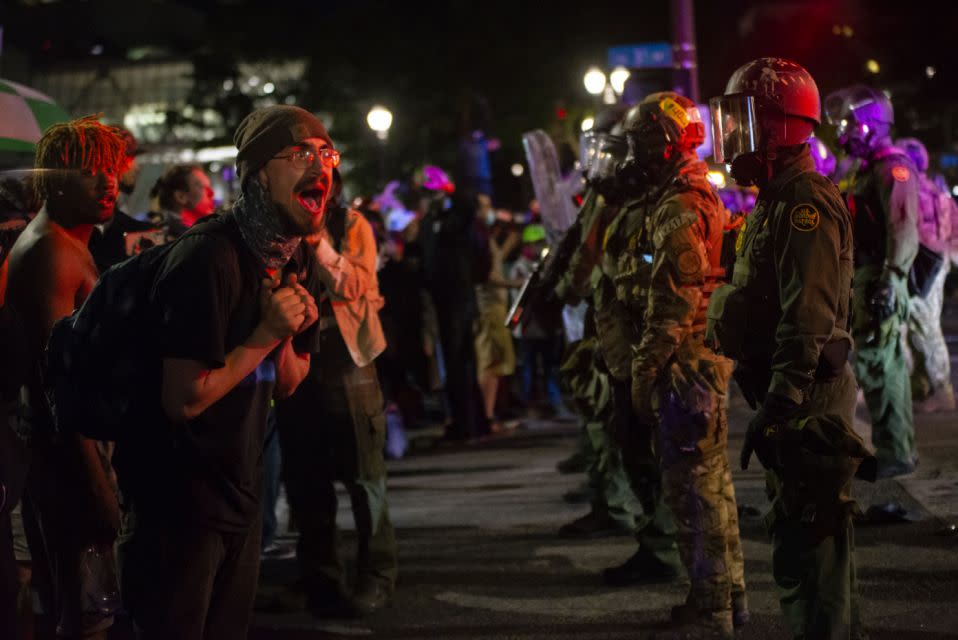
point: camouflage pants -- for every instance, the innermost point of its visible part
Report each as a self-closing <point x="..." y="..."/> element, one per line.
<point x="655" y="530"/>
<point x="931" y="371"/>
<point x="607" y="476"/>
<point x="882" y="372"/>
<point x="592" y="392"/>
<point x="699" y="492"/>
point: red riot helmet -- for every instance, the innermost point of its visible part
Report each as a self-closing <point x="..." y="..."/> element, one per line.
<point x="768" y="103"/>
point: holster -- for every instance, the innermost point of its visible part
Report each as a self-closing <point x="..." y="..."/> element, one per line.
<point x="820" y="456"/>
<point x="832" y="360"/>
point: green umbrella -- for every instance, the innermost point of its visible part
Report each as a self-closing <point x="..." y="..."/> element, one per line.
<point x="25" y="114"/>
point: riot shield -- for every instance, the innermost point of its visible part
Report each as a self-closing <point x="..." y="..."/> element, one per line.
<point x="554" y="192"/>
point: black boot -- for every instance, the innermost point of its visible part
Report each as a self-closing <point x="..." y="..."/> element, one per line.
<point x="371" y="595"/>
<point x="642" y="568"/>
<point x="595" y="524"/>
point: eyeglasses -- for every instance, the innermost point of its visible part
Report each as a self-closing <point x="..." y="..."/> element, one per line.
<point x="304" y="157"/>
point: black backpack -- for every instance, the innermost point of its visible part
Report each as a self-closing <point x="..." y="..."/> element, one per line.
<point x="102" y="373"/>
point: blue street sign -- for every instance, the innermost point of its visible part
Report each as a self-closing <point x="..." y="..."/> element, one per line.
<point x="646" y="55"/>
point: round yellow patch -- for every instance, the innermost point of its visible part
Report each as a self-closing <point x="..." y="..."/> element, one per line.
<point x="805" y="217"/>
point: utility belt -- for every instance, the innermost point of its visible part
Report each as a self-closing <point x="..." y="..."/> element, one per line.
<point x="754" y="374"/>
<point x="743" y="328"/>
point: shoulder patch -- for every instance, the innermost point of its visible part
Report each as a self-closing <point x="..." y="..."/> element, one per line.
<point x="671" y="225"/>
<point x="901" y="173"/>
<point x="805" y="217"/>
<point x="740" y="238"/>
<point x="689" y="263"/>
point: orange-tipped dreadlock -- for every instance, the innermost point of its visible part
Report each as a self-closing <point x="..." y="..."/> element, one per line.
<point x="84" y="144"/>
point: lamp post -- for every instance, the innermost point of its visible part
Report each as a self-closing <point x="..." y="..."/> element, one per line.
<point x="380" y="119"/>
<point x="594" y="81"/>
<point x="617" y="79"/>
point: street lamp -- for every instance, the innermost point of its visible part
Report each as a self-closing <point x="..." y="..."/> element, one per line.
<point x="617" y="79"/>
<point x="594" y="81"/>
<point x="379" y="120"/>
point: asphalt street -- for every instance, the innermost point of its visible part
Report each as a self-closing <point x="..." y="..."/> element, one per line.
<point x="480" y="558"/>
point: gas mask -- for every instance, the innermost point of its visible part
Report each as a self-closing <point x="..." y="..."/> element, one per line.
<point x="610" y="153"/>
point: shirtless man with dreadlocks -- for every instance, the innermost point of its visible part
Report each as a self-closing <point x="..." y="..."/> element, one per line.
<point x="70" y="503"/>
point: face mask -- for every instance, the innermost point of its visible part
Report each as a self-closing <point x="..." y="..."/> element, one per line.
<point x="261" y="226"/>
<point x="748" y="169"/>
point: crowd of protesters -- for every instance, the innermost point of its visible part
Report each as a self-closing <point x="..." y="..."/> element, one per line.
<point x="286" y="338"/>
<point x="169" y="522"/>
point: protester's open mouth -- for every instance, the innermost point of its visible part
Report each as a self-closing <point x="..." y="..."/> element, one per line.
<point x="312" y="200"/>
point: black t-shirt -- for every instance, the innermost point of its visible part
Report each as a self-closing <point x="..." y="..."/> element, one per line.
<point x="207" y="297"/>
<point x="108" y="246"/>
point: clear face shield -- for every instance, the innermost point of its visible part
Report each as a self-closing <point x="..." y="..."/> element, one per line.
<point x="858" y="118"/>
<point x="840" y="113"/>
<point x="735" y="126"/>
<point x="610" y="152"/>
<point x="588" y="148"/>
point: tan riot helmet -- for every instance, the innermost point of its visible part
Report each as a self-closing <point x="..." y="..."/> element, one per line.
<point x="666" y="122"/>
<point x="661" y="128"/>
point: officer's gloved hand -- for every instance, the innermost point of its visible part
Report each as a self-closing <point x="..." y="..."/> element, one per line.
<point x="766" y="431"/>
<point x="882" y="300"/>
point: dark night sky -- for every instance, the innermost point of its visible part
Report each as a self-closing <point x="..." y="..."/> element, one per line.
<point x="445" y="66"/>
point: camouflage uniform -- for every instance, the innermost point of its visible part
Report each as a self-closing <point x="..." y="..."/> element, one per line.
<point x="785" y="319"/>
<point x="883" y="197"/>
<point x="617" y="332"/>
<point x="591" y="388"/>
<point x="669" y="272"/>
<point x="618" y="323"/>
<point x="592" y="393"/>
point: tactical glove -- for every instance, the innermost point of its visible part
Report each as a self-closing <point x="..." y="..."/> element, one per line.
<point x="766" y="431"/>
<point x="882" y="301"/>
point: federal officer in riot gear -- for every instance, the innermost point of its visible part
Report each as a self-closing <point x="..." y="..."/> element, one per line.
<point x="614" y="507"/>
<point x="608" y="225"/>
<point x="665" y="277"/>
<point x="883" y="196"/>
<point x="785" y="319"/>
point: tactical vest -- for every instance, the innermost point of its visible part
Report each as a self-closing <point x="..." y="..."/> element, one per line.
<point x="745" y="315"/>
<point x="621" y="296"/>
<point x="618" y="327"/>
<point x="712" y="232"/>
